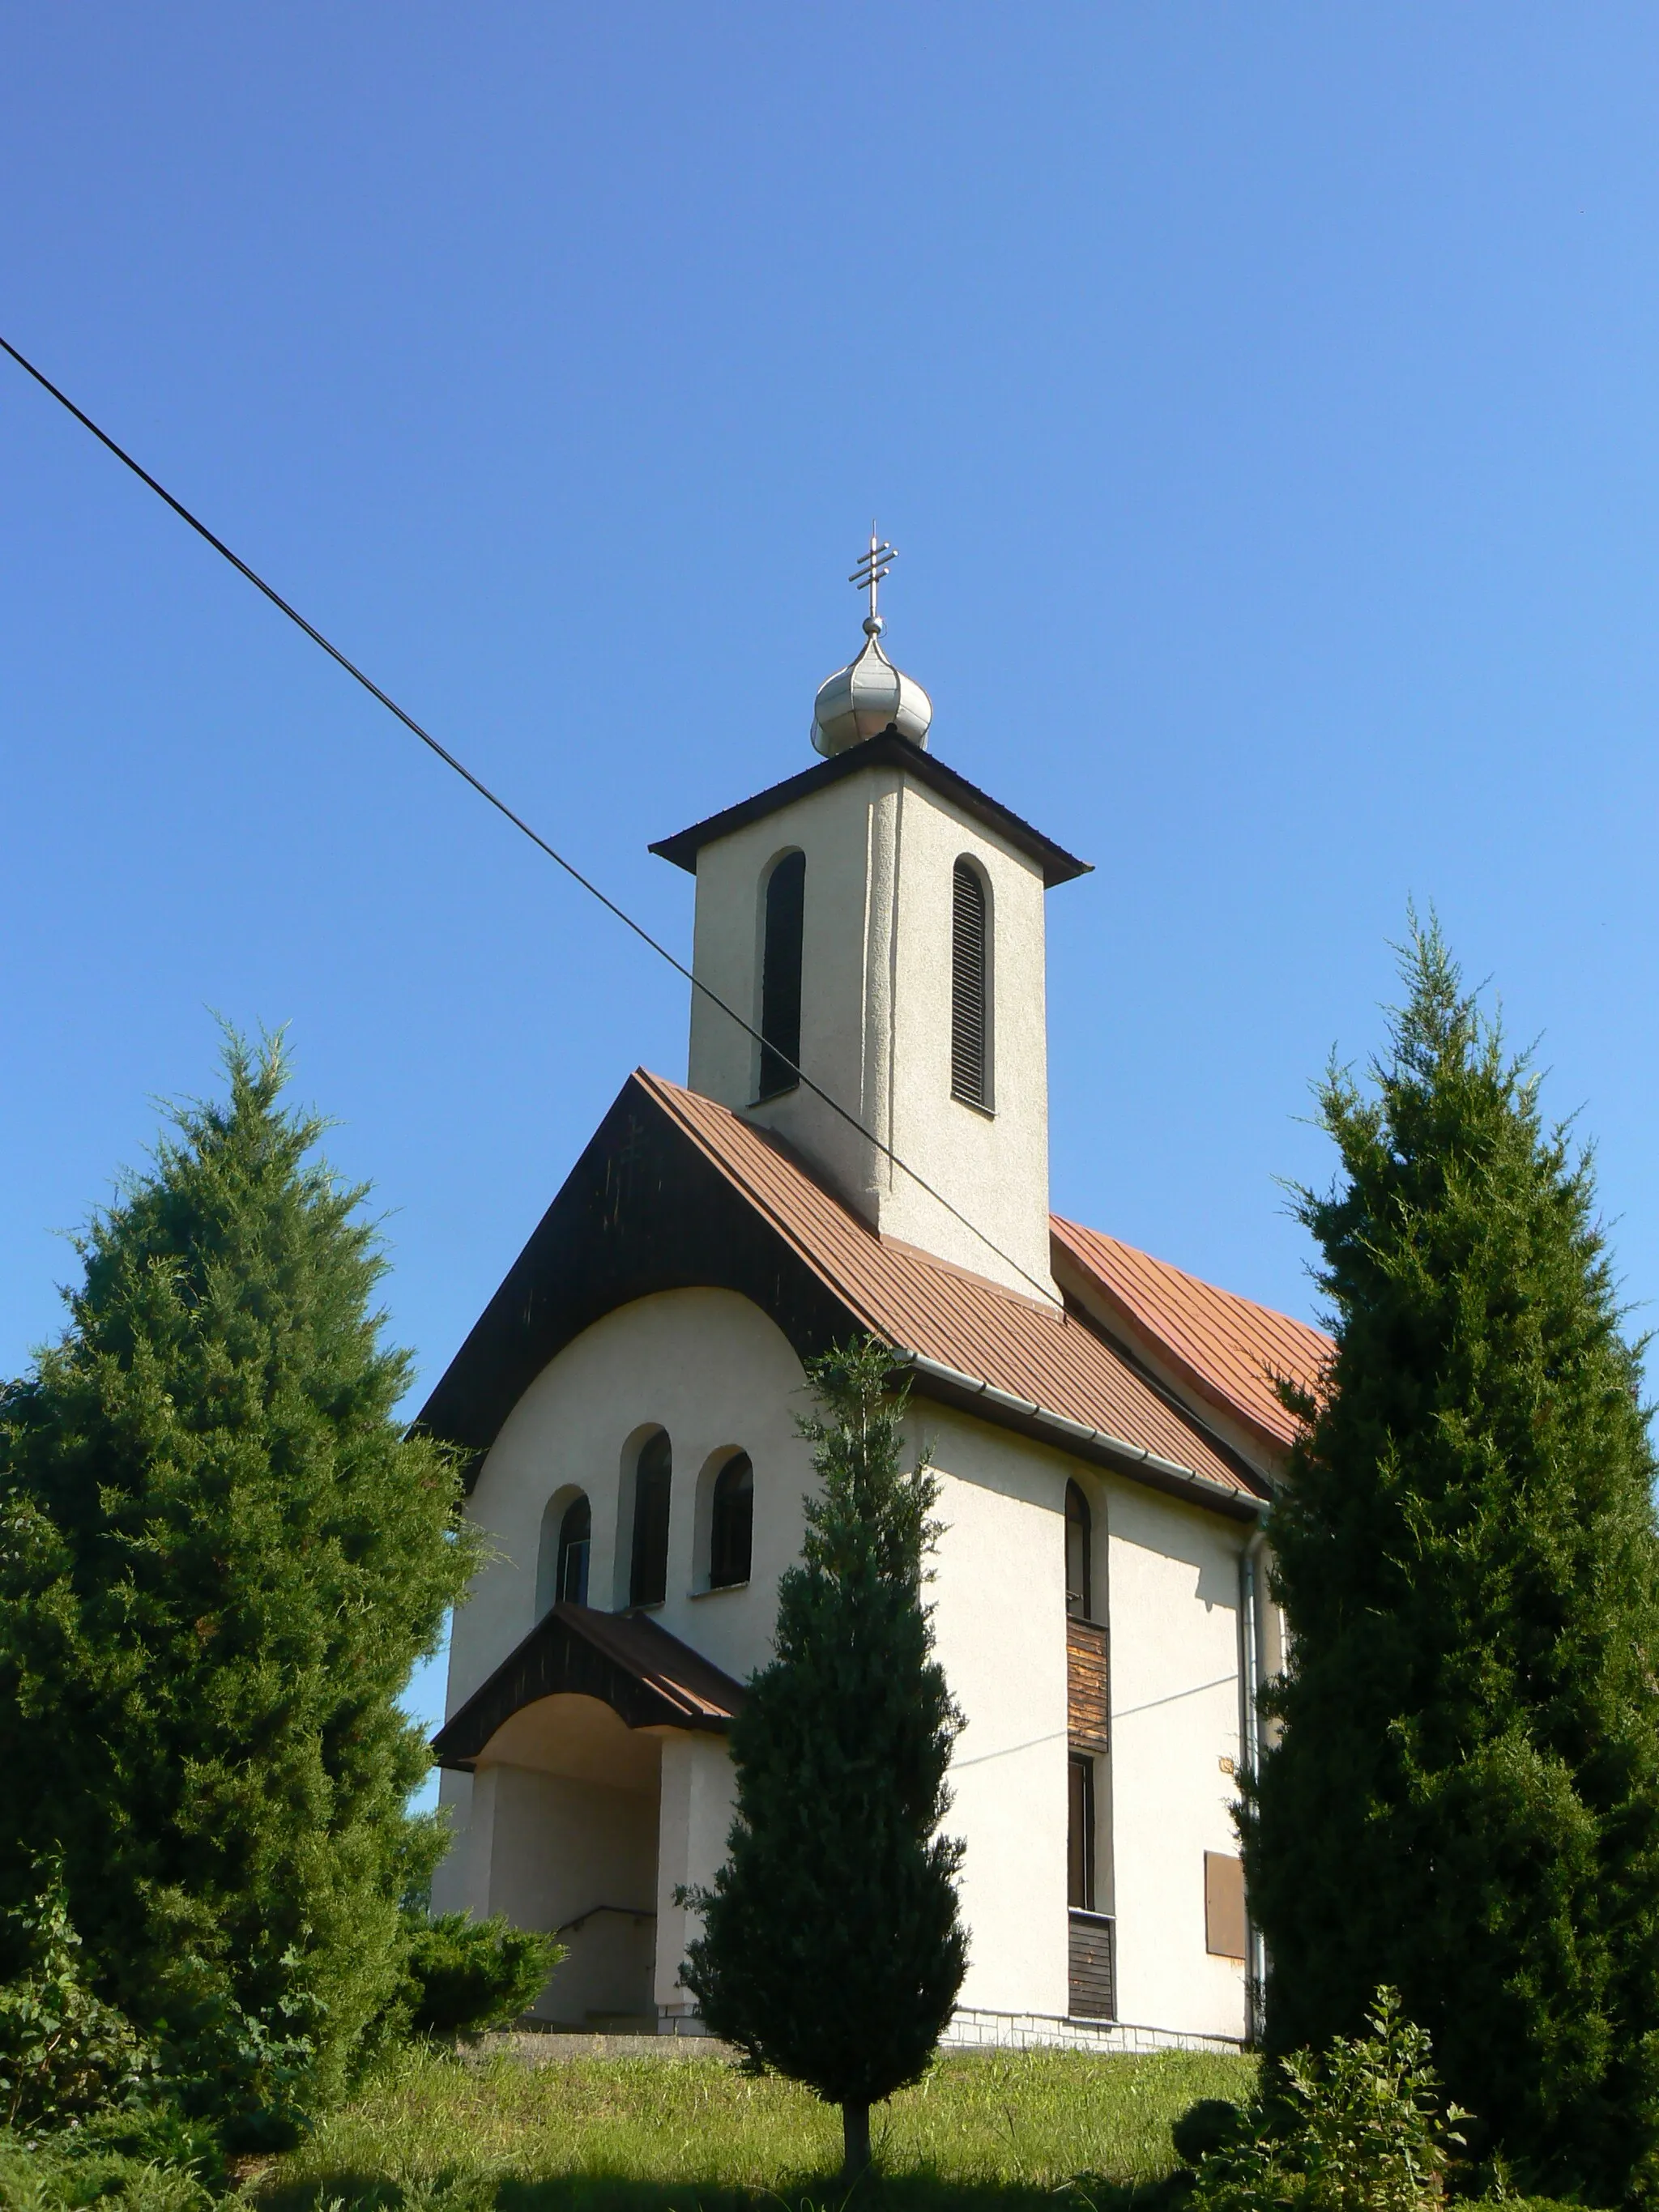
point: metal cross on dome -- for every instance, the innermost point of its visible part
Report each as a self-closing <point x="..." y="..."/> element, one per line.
<point x="870" y="574"/>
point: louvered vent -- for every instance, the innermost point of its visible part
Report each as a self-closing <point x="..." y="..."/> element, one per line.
<point x="969" y="1061"/>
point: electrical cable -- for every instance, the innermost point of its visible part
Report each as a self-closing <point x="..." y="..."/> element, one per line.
<point x="518" y="821"/>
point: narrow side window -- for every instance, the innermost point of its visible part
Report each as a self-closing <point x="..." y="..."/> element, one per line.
<point x="970" y="1066"/>
<point x="1080" y="1834"/>
<point x="781" y="952"/>
<point x="575" y="1542"/>
<point x="731" y="1523"/>
<point x="1079" y="1545"/>
<point x="648" y="1582"/>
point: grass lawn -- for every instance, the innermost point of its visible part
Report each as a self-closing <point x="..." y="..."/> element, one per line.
<point x="993" y="2128"/>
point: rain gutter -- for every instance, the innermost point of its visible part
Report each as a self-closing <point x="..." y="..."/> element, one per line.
<point x="1076" y="1437"/>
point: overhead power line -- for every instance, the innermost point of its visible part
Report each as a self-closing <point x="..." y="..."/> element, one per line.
<point x="501" y="807"/>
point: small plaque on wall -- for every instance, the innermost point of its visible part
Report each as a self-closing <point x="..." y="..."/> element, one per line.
<point x="1224" y="1906"/>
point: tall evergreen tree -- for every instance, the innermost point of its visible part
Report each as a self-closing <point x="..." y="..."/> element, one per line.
<point x="220" y="1556"/>
<point x="831" y="1949"/>
<point x="1465" y="1800"/>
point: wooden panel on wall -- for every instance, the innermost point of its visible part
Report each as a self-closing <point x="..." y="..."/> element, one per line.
<point x="1093" y="1984"/>
<point x="1224" y="1906"/>
<point x="1086" y="1702"/>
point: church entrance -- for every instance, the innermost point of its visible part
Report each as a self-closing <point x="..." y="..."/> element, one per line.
<point x="569" y="1796"/>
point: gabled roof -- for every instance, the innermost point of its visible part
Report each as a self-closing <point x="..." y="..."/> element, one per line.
<point x="675" y="1191"/>
<point x="1039" y="1355"/>
<point x="1224" y="1347"/>
<point x="890" y="750"/>
<point x="628" y="1662"/>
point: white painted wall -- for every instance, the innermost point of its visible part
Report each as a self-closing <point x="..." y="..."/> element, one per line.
<point x="1173" y="1593"/>
<point x="999" y="1621"/>
<point x="880" y="849"/>
<point x="712" y="1370"/>
<point x="698" y="1784"/>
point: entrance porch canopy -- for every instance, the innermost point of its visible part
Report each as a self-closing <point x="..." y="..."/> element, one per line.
<point x="647" y="1677"/>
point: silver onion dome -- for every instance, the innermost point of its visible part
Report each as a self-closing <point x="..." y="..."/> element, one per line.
<point x="870" y="695"/>
<point x="867" y="696"/>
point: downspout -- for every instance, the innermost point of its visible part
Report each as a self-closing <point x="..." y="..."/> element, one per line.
<point x="1250" y="1743"/>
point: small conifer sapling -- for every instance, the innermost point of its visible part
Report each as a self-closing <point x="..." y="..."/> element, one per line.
<point x="831" y="1949"/>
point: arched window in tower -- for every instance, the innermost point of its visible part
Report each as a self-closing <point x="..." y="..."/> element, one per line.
<point x="731" y="1523"/>
<point x="970" y="967"/>
<point x="575" y="1543"/>
<point x="781" y="952"/>
<point x="648" y="1580"/>
<point x="1079" y="1543"/>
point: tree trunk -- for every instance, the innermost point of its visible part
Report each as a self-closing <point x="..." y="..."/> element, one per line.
<point x="855" y="2141"/>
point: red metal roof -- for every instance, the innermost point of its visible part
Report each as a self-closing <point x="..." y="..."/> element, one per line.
<point x="1033" y="1351"/>
<point x="1229" y="1348"/>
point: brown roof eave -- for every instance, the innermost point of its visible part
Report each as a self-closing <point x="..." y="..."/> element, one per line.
<point x="967" y="1394"/>
<point x="648" y="1678"/>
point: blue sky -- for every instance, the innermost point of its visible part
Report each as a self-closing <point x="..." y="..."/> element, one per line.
<point x="1263" y="403"/>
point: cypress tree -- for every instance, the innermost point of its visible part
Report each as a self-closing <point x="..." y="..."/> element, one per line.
<point x="220" y="1556"/>
<point x="1464" y="1802"/>
<point x="831" y="1949"/>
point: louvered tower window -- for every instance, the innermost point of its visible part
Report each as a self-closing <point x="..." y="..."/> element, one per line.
<point x="970" y="1055"/>
<point x="780" y="949"/>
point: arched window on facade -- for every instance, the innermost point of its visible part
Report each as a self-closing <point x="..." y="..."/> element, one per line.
<point x="1079" y="1546"/>
<point x="648" y="1580"/>
<point x="780" y="958"/>
<point x="731" y="1523"/>
<point x="971" y="977"/>
<point x="575" y="1543"/>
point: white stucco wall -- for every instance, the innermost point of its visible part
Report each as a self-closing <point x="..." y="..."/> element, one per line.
<point x="1000" y="1621"/>
<point x="880" y="849"/>
<point x="1173" y="1594"/>
<point x="712" y="1370"/>
<point x="697" y="1818"/>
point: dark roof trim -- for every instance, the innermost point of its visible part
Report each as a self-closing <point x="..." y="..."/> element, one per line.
<point x="890" y="750"/>
<point x="966" y="1392"/>
<point x="643" y="1210"/>
<point x="647" y="1677"/>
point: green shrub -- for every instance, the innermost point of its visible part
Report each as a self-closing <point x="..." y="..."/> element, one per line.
<point x="465" y="1974"/>
<point x="64" y="2053"/>
<point x="1360" y="2128"/>
<point x="221" y="1552"/>
<point x="68" y="2173"/>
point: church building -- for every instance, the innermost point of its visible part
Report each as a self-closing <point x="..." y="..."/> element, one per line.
<point x="861" y="1145"/>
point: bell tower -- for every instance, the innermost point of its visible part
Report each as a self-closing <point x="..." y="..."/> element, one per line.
<point x="879" y="921"/>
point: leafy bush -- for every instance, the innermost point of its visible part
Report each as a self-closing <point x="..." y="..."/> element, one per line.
<point x="1360" y="2129"/>
<point x="64" y="2053"/>
<point x="465" y="1974"/>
